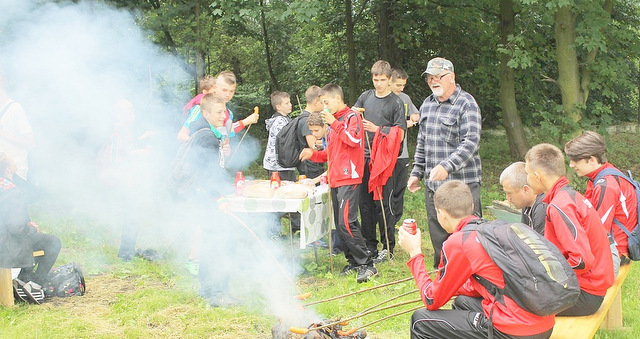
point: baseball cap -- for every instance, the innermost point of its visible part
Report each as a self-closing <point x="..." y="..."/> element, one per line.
<point x="437" y="66"/>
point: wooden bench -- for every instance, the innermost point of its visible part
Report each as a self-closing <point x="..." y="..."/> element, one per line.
<point x="608" y="316"/>
<point x="6" y="287"/>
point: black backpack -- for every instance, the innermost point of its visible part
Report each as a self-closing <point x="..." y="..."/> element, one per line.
<point x="633" y="237"/>
<point x="288" y="145"/>
<point x="182" y="176"/>
<point x="536" y="274"/>
<point x="65" y="281"/>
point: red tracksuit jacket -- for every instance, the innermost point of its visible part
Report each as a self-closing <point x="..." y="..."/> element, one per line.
<point x="573" y="225"/>
<point x="613" y="197"/>
<point x="345" y="148"/>
<point x="461" y="258"/>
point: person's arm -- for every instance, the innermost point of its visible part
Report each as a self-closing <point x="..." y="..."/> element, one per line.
<point x="183" y="135"/>
<point x="470" y="129"/>
<point x="538" y="216"/>
<point x="572" y="237"/>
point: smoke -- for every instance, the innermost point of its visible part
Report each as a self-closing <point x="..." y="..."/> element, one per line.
<point x="79" y="70"/>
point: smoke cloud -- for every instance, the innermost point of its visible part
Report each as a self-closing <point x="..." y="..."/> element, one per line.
<point x="79" y="70"/>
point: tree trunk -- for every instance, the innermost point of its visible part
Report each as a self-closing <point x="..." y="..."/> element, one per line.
<point x="590" y="57"/>
<point x="200" y="45"/>
<point x="568" y="68"/>
<point x="267" y="50"/>
<point x="518" y="144"/>
<point x="639" y="95"/>
<point x="352" y="90"/>
<point x="387" y="49"/>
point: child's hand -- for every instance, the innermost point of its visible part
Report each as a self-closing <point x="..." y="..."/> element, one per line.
<point x="226" y="149"/>
<point x="252" y="119"/>
<point x="410" y="243"/>
<point x="327" y="117"/>
<point x="306" y="154"/>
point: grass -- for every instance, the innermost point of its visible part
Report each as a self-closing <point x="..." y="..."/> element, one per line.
<point x="139" y="299"/>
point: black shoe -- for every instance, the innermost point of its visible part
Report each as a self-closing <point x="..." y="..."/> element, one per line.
<point x="349" y="270"/>
<point x="384" y="255"/>
<point x="624" y="260"/>
<point x="365" y="272"/>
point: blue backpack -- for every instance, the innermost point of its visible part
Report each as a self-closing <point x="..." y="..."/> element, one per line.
<point x="633" y="236"/>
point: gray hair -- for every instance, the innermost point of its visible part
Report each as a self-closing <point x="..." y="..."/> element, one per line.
<point x="515" y="174"/>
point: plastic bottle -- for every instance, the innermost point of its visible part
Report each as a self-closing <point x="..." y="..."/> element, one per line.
<point x="275" y="180"/>
<point x="239" y="183"/>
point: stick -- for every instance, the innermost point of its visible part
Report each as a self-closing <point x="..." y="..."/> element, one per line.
<point x="255" y="110"/>
<point x="360" y="291"/>
<point x="267" y="251"/>
<point x="390" y="316"/>
<point x="388" y="300"/>
<point x="365" y="313"/>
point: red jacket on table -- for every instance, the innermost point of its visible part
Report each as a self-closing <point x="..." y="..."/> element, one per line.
<point x="462" y="257"/>
<point x="573" y="225"/>
<point x="345" y="149"/>
<point x="614" y="198"/>
<point x="384" y="154"/>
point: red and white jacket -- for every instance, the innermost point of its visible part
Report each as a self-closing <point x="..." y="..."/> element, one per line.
<point x="614" y="198"/>
<point x="345" y="148"/>
<point x="573" y="225"/>
<point x="462" y="257"/>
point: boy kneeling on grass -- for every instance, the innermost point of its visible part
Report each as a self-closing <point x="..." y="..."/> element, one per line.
<point x="463" y="258"/>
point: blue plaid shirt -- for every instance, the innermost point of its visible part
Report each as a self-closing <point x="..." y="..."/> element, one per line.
<point x="449" y="135"/>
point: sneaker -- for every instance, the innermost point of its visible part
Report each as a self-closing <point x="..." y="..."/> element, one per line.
<point x="348" y="270"/>
<point x="365" y="272"/>
<point x="224" y="301"/>
<point x="384" y="255"/>
<point x="192" y="267"/>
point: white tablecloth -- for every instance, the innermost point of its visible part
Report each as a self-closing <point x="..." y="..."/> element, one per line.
<point x="315" y="212"/>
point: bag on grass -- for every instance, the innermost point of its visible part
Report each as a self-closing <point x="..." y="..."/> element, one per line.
<point x="65" y="281"/>
<point x="633" y="237"/>
<point x="536" y="274"/>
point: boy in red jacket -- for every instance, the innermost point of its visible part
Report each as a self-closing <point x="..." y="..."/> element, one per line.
<point x="573" y="225"/>
<point x="614" y="198"/>
<point x="463" y="257"/>
<point x="345" y="153"/>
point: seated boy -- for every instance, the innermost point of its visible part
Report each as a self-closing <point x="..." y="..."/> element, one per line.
<point x="614" y="198"/>
<point x="573" y="225"/>
<point x="514" y="184"/>
<point x="19" y="236"/>
<point x="462" y="259"/>
<point x="225" y="88"/>
<point x="345" y="153"/>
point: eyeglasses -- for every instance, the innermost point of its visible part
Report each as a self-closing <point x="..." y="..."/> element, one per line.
<point x="436" y="78"/>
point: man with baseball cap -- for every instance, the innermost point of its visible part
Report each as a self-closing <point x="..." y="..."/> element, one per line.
<point x="448" y="143"/>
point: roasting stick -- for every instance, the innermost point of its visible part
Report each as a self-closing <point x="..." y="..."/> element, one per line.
<point x="385" y="318"/>
<point x="300" y="294"/>
<point x="255" y="110"/>
<point x="360" y="291"/>
<point x="296" y="330"/>
<point x="388" y="300"/>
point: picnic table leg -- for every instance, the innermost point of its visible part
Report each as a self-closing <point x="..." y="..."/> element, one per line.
<point x="6" y="288"/>
<point x="613" y="319"/>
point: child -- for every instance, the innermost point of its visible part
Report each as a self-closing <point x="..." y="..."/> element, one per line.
<point x="281" y="102"/>
<point x="309" y="168"/>
<point x="345" y="153"/>
<point x="614" y="199"/>
<point x="514" y="184"/>
<point x="573" y="226"/>
<point x="206" y="85"/>
<point x="203" y="157"/>
<point x="225" y="88"/>
<point x="398" y="82"/>
<point x="385" y="174"/>
<point x="464" y="262"/>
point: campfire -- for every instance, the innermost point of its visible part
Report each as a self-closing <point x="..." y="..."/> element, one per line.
<point x="328" y="329"/>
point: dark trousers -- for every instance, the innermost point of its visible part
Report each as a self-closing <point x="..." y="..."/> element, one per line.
<point x="465" y="320"/>
<point x="587" y="304"/>
<point x="310" y="169"/>
<point x="344" y="201"/>
<point x="436" y="232"/>
<point x="393" y="202"/>
<point x="294" y="217"/>
<point x="51" y="245"/>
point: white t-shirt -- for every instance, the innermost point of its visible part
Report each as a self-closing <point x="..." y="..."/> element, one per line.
<point x="14" y="121"/>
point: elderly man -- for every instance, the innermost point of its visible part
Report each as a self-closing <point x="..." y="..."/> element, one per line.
<point x="448" y="143"/>
<point x="514" y="184"/>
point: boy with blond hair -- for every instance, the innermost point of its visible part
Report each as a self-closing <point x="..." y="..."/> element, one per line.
<point x="573" y="225"/>
<point x="385" y="170"/>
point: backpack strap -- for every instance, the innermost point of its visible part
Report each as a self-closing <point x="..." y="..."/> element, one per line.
<point x="629" y="179"/>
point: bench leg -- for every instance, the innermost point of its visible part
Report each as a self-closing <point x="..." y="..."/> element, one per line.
<point x="613" y="319"/>
<point x="6" y="288"/>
